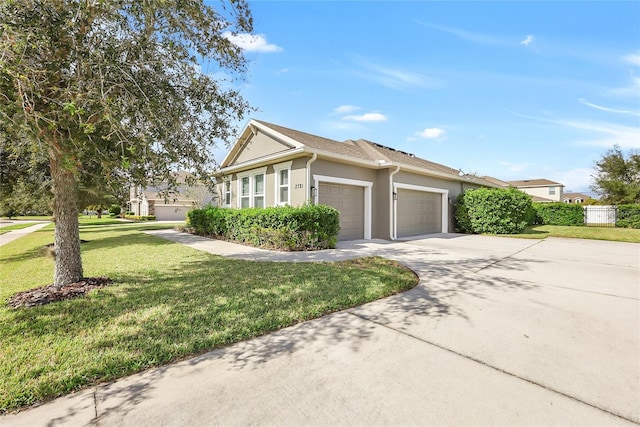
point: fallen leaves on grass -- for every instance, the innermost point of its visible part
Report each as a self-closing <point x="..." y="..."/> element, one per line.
<point x="50" y="293"/>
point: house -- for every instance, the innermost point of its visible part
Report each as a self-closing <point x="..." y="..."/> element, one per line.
<point x="541" y="190"/>
<point x="575" y="198"/>
<point x="380" y="192"/>
<point x="168" y="205"/>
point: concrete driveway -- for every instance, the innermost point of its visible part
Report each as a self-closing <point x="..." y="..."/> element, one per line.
<point x="500" y="331"/>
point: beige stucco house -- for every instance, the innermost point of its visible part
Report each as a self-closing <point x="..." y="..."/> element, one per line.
<point x="380" y="192"/>
<point x="168" y="205"/>
<point x="541" y="190"/>
<point x="575" y="198"/>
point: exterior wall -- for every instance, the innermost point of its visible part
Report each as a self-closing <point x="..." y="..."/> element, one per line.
<point x="259" y="145"/>
<point x="297" y="178"/>
<point x="381" y="206"/>
<point x="299" y="194"/>
<point x="544" y="192"/>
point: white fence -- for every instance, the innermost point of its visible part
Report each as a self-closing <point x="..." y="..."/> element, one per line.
<point x="604" y="216"/>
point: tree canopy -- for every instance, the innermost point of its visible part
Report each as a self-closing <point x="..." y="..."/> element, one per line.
<point x="117" y="91"/>
<point x="617" y="177"/>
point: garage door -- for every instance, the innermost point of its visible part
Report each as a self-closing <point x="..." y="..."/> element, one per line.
<point x="419" y="212"/>
<point x="349" y="201"/>
<point x="170" y="213"/>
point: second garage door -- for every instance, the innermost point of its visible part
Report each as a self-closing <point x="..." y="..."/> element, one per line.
<point x="419" y="212"/>
<point x="170" y="213"/>
<point x="349" y="201"/>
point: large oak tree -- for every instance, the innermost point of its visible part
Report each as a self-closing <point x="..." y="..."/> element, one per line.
<point x="119" y="89"/>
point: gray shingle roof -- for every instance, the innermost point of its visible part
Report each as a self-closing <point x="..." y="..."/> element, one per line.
<point x="367" y="150"/>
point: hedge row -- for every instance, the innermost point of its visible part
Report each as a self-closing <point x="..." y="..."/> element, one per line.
<point x="559" y="214"/>
<point x="141" y="217"/>
<point x="288" y="228"/>
<point x="494" y="211"/>
<point x="628" y="216"/>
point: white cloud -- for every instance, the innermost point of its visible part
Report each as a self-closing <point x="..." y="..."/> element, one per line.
<point x="346" y="109"/>
<point x="252" y="42"/>
<point x="578" y="179"/>
<point x="514" y="167"/>
<point x="465" y="35"/>
<point x="367" y="117"/>
<point x="609" y="109"/>
<point x="633" y="59"/>
<point x="632" y="90"/>
<point x="612" y="134"/>
<point x="430" y="133"/>
<point x="395" y="78"/>
<point x="527" y="40"/>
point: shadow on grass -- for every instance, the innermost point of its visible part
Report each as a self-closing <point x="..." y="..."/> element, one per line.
<point x="178" y="311"/>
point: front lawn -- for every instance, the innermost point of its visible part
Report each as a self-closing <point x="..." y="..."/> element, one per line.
<point x="11" y="227"/>
<point x="595" y="233"/>
<point x="167" y="302"/>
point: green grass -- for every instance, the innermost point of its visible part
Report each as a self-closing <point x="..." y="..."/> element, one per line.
<point x="595" y="233"/>
<point x="168" y="302"/>
<point x="11" y="227"/>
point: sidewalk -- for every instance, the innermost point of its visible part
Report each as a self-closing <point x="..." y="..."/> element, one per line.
<point x="16" y="234"/>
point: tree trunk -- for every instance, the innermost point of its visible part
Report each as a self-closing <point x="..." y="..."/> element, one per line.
<point x="67" y="234"/>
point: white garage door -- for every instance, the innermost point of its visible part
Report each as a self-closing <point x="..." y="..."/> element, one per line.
<point x="170" y="213"/>
<point x="349" y="201"/>
<point x="419" y="212"/>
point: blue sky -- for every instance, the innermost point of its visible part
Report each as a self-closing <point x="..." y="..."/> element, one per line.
<point x="515" y="90"/>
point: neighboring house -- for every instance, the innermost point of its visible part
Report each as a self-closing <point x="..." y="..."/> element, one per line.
<point x="575" y="198"/>
<point x="541" y="190"/>
<point x="495" y="181"/>
<point x="380" y="192"/>
<point x="168" y="205"/>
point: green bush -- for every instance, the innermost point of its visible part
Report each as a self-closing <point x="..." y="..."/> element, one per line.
<point x="559" y="214"/>
<point x="493" y="210"/>
<point x="142" y="217"/>
<point x="115" y="210"/>
<point x="307" y="227"/>
<point x="628" y="216"/>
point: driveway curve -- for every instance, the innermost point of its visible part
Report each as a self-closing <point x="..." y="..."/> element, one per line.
<point x="499" y="331"/>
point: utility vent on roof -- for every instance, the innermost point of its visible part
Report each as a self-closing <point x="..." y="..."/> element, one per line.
<point x="393" y="149"/>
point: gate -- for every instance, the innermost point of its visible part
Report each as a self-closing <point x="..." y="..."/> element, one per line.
<point x="601" y="216"/>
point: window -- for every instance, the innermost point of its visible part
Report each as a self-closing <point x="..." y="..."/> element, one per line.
<point x="552" y="191"/>
<point x="258" y="191"/>
<point x="245" y="193"/>
<point x="227" y="193"/>
<point x="251" y="187"/>
<point x="283" y="188"/>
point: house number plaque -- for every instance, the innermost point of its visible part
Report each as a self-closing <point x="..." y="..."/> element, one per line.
<point x="297" y="186"/>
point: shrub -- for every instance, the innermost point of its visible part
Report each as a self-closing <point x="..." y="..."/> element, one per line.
<point x="284" y="227"/>
<point x="628" y="216"/>
<point x="115" y="210"/>
<point x="493" y="210"/>
<point x="559" y="214"/>
<point x="142" y="217"/>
